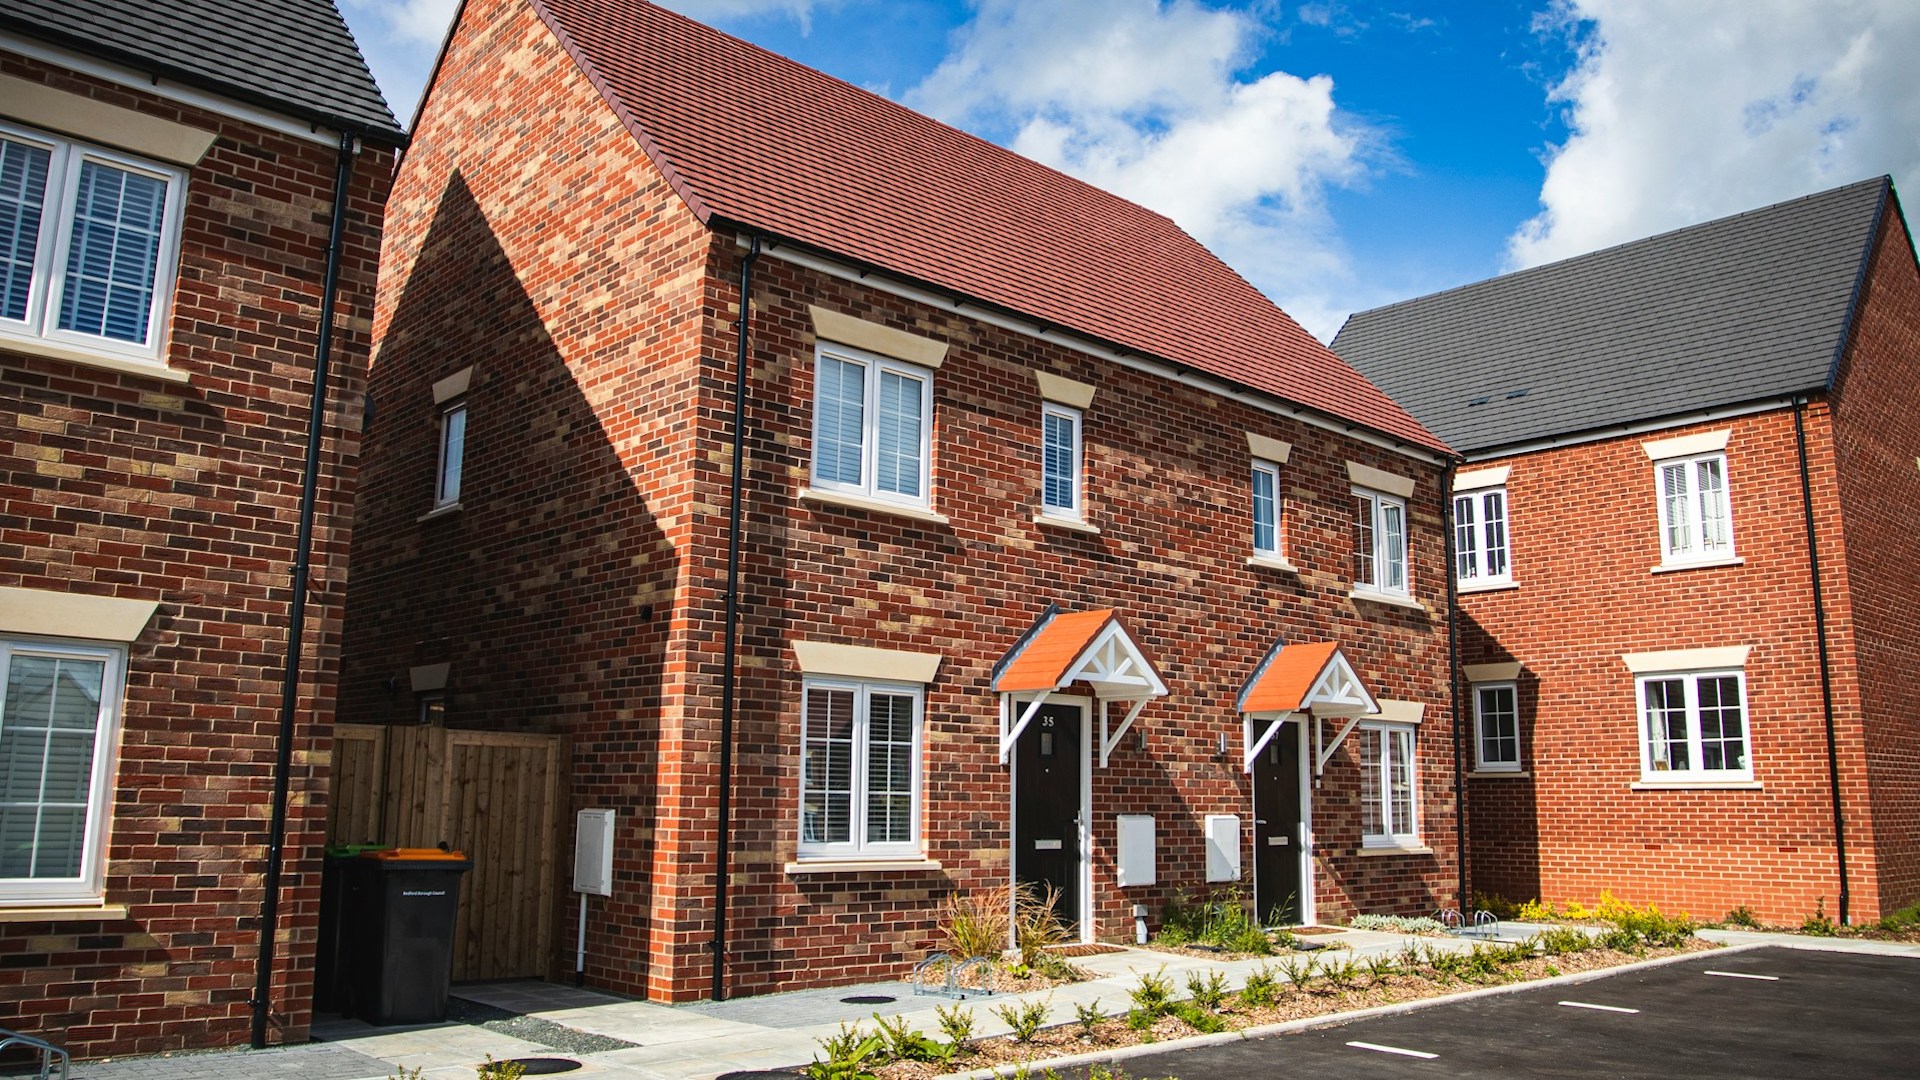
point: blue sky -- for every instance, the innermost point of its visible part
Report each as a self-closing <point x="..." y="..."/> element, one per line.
<point x="1346" y="155"/>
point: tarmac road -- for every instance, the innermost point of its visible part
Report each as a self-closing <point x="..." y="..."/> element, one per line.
<point x="1771" y="1012"/>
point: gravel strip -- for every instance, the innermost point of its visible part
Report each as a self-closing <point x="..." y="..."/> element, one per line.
<point x="531" y="1028"/>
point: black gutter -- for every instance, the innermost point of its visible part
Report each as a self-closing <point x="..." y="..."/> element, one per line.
<point x="1453" y="687"/>
<point x="731" y="655"/>
<point x="297" y="617"/>
<point x="1826" y="671"/>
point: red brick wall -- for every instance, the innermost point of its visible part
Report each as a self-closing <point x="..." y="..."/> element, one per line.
<point x="1877" y="440"/>
<point x="580" y="589"/>
<point x="187" y="495"/>
<point x="1584" y="529"/>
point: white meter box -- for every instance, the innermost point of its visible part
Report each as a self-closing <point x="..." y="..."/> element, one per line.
<point x="593" y="852"/>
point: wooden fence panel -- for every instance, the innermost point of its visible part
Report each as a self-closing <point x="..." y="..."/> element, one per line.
<point x="493" y="795"/>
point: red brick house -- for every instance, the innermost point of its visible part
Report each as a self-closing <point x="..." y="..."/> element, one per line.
<point x="1687" y="546"/>
<point x="1034" y="488"/>
<point x="169" y="181"/>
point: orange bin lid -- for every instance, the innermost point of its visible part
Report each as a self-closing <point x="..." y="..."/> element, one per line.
<point x="416" y="854"/>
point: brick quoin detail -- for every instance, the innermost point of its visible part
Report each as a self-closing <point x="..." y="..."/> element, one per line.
<point x="580" y="588"/>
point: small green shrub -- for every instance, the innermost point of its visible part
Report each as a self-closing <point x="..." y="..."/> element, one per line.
<point x="1818" y="923"/>
<point x="1342" y="973"/>
<point x="1208" y="991"/>
<point x="975" y="924"/>
<point x="1380" y="967"/>
<point x="1140" y="1019"/>
<point x="1222" y="919"/>
<point x="1742" y="917"/>
<point x="1261" y="989"/>
<point x="1197" y="1018"/>
<point x="1398" y="924"/>
<point x="847" y="1053"/>
<point x="1907" y="918"/>
<point x="1024" y="1018"/>
<point x="1088" y="1016"/>
<point x="405" y="1075"/>
<point x="1154" y="993"/>
<point x="906" y="1044"/>
<point x="1561" y="940"/>
<point x="1036" y="923"/>
<point x="501" y="1070"/>
<point x="1501" y="908"/>
<point x="956" y="1023"/>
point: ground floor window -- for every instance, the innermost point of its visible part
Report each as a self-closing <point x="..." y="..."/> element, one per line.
<point x="59" y="722"/>
<point x="1496" y="717"/>
<point x="1694" y="726"/>
<point x="859" y="769"/>
<point x="1387" y="805"/>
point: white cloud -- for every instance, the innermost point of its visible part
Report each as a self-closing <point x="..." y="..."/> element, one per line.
<point x="716" y="11"/>
<point x="1146" y="99"/>
<point x="1679" y="113"/>
<point x="400" y="39"/>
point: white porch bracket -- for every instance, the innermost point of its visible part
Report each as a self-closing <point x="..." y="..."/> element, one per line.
<point x="1109" y="743"/>
<point x="1323" y="754"/>
<point x="1010" y="734"/>
<point x="1251" y="745"/>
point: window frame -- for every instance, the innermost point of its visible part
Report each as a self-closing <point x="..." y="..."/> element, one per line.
<point x="1690" y="681"/>
<point x="874" y="367"/>
<point x="1378" y="504"/>
<point x="53" y="247"/>
<point x="1480" y="555"/>
<point x="1697" y="551"/>
<point x="89" y="886"/>
<point x="1077" y="472"/>
<point x="1386" y="736"/>
<point x="857" y="846"/>
<point x="1263" y="467"/>
<point x="442" y="497"/>
<point x="1481" y="762"/>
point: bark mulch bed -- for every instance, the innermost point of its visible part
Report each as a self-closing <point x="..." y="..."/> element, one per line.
<point x="1319" y="999"/>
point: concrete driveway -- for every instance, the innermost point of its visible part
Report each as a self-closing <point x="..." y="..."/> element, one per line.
<point x="1770" y="1012"/>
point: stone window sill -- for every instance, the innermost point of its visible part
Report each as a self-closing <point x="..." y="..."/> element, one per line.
<point x="1504" y="774"/>
<point x="439" y="512"/>
<point x="1378" y="852"/>
<point x="1670" y="568"/>
<point x="1486" y="586"/>
<point x="859" y="866"/>
<point x="1272" y="562"/>
<point x="124" y="365"/>
<point x="1056" y="521"/>
<point x="1696" y="785"/>
<point x="1389" y="599"/>
<point x="65" y="913"/>
<point x="861" y="502"/>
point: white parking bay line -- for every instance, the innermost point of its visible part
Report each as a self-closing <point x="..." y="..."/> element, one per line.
<point x="1393" y="1050"/>
<point x="1744" y="975"/>
<point x="1600" y="1008"/>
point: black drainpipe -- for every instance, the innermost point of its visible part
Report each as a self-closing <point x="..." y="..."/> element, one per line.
<point x="731" y="654"/>
<point x="297" y="616"/>
<point x="1453" y="688"/>
<point x="1820" y="640"/>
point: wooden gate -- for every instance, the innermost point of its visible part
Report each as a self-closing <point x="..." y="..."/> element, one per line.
<point x="498" y="797"/>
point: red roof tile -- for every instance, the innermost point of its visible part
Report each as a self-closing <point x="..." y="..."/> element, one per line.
<point x="1052" y="651"/>
<point x="1283" y="686"/>
<point x="758" y="140"/>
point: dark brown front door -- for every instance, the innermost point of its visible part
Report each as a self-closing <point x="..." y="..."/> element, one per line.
<point x="1277" y="835"/>
<point x="1046" y="808"/>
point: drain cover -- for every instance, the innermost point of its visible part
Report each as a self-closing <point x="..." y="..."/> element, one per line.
<point x="868" y="999"/>
<point x="540" y="1066"/>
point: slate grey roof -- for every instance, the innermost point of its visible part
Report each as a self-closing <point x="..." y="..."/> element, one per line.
<point x="1728" y="312"/>
<point x="292" y="56"/>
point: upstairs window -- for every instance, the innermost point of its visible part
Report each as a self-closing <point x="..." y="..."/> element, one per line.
<point x="453" y="450"/>
<point x="872" y="421"/>
<point x="1695" y="523"/>
<point x="1266" y="509"/>
<point x="1379" y="543"/>
<point x="1480" y="537"/>
<point x="1060" y="494"/>
<point x="859" y="770"/>
<point x="88" y="243"/>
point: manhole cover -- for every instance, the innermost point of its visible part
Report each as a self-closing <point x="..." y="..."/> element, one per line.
<point x="869" y="999"/>
<point x="538" y="1066"/>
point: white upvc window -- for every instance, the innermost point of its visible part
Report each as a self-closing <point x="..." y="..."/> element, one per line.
<point x="1061" y="488"/>
<point x="860" y="769"/>
<point x="1693" y="726"/>
<point x="1696" y="524"/>
<point x="1496" y="726"/>
<point x="872" y="422"/>
<point x="1266" y="509"/>
<point x="453" y="453"/>
<point x="1388" y="799"/>
<point x="1379" y="542"/>
<point x="89" y="241"/>
<point x="1480" y="537"/>
<point x="59" y="729"/>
